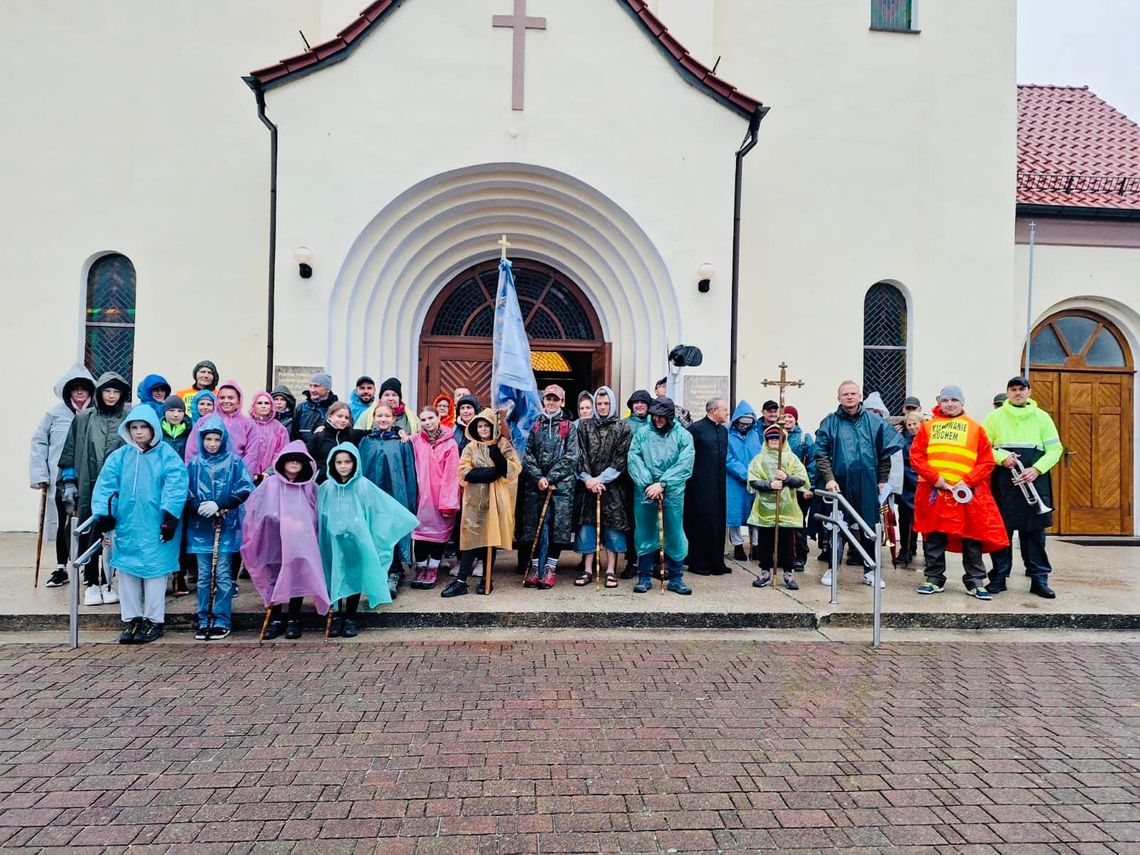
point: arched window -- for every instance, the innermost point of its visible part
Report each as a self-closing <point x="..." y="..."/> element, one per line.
<point x="884" y="344"/>
<point x="1078" y="340"/>
<point x="109" y="340"/>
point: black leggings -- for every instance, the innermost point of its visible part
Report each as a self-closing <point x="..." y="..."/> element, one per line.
<point x="62" y="533"/>
<point x="468" y="557"/>
<point x="294" y="609"/>
<point x="426" y="550"/>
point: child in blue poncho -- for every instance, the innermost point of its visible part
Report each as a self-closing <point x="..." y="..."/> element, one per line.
<point x="139" y="496"/>
<point x="219" y="483"/>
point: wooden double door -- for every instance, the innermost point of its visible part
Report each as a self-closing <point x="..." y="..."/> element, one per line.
<point x="1092" y="483"/>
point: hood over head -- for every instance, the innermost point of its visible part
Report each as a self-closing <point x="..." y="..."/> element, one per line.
<point x="213" y="423"/>
<point x="231" y="384"/>
<point x="149" y="383"/>
<point x="664" y="407"/>
<point x="198" y="396"/>
<point x="487" y="415"/>
<point x="141" y="413"/>
<point x="609" y="393"/>
<point x="261" y="396"/>
<point x="111" y="380"/>
<point x="205" y="363"/>
<point x="874" y="403"/>
<point x="296" y="450"/>
<point x="351" y="449"/>
<point x="76" y="376"/>
<point x="743" y="408"/>
<point x="447" y="420"/>
<point x="281" y="390"/>
<point x="641" y="396"/>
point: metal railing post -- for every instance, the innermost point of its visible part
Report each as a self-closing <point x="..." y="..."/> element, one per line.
<point x="877" y="584"/>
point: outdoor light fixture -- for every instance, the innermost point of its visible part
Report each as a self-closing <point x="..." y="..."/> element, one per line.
<point x="705" y="274"/>
<point x="304" y="258"/>
<point x="685" y="356"/>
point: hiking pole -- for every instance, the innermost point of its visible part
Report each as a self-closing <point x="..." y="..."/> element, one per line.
<point x="661" y="539"/>
<point x="538" y="529"/>
<point x="214" y="573"/>
<point x="329" y="618"/>
<point x="598" y="544"/>
<point x="264" y="624"/>
<point x="40" y="536"/>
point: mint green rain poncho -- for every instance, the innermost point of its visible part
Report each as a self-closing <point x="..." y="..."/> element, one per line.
<point x="360" y="526"/>
<point x="141" y="487"/>
<point x="664" y="456"/>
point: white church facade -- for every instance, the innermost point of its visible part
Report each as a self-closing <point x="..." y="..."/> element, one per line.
<point x="168" y="148"/>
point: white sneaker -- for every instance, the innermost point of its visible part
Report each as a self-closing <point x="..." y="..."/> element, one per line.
<point x="92" y="595"/>
<point x="869" y="579"/>
<point x="109" y="595"/>
<point x="825" y="579"/>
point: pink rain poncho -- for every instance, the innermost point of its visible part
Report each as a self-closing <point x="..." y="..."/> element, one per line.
<point x="266" y="439"/>
<point x="238" y="426"/>
<point x="437" y="482"/>
<point x="279" y="535"/>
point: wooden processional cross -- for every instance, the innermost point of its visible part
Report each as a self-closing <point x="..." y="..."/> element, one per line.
<point x="783" y="383"/>
<point x="518" y="23"/>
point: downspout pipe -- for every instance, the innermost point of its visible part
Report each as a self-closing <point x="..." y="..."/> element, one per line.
<point x="271" y="307"/>
<point x="746" y="146"/>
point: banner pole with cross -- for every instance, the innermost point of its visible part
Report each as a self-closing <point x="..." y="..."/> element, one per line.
<point x="783" y="383"/>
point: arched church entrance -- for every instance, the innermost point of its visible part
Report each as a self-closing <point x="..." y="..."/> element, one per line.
<point x="1082" y="374"/>
<point x="566" y="340"/>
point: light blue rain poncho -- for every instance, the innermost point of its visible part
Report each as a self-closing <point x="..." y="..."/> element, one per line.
<point x="360" y="526"/>
<point x="661" y="456"/>
<point x="219" y="477"/>
<point x="140" y="486"/>
<point x="742" y="447"/>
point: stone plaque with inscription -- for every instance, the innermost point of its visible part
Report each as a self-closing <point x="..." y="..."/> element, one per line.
<point x="296" y="377"/>
<point x="700" y="388"/>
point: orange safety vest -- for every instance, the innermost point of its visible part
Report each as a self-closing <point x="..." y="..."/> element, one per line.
<point x="952" y="450"/>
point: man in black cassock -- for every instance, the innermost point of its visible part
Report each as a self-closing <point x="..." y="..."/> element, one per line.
<point x="705" y="502"/>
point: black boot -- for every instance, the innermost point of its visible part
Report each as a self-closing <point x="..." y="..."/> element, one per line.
<point x="738" y="553"/>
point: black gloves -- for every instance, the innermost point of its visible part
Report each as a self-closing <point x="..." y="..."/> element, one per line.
<point x="230" y="503"/>
<point x="498" y="459"/>
<point x="169" y="526"/>
<point x="102" y="525"/>
<point x="760" y="486"/>
<point x="793" y="482"/>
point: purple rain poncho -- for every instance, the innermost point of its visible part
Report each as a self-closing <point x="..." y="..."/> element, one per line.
<point x="279" y="535"/>
<point x="266" y="439"/>
<point x="238" y="426"/>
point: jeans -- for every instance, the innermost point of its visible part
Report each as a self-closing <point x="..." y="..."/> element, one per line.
<point x="647" y="563"/>
<point x="1032" y="555"/>
<point x="934" y="551"/>
<point x="224" y="595"/>
<point x="612" y="539"/>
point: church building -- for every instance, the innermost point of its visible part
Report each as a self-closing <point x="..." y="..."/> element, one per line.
<point x="286" y="186"/>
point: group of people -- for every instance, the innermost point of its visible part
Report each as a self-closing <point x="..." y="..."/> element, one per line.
<point x="334" y="500"/>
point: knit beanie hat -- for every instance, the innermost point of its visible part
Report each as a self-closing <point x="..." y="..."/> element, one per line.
<point x="321" y="379"/>
<point x="394" y="385"/>
<point x="954" y="392"/>
<point x="773" y="432"/>
<point x="174" y="403"/>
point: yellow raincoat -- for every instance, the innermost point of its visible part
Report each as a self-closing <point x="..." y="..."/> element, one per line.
<point x="763" y="468"/>
<point x="488" y="508"/>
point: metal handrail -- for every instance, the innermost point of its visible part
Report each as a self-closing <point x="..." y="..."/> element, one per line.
<point x="836" y="522"/>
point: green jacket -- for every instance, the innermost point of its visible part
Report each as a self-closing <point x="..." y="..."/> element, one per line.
<point x="1011" y="428"/>
<point x="92" y="437"/>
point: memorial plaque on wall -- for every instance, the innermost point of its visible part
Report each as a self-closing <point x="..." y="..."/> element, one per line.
<point x="701" y="388"/>
<point x="296" y="377"/>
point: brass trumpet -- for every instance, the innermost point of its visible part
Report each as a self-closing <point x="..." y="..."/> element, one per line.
<point x="1028" y="489"/>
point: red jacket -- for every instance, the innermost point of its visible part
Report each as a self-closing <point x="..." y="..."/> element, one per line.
<point x="956" y="449"/>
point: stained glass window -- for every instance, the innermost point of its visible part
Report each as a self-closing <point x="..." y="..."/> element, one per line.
<point x="109" y="341"/>
<point x="549" y="307"/>
<point x="892" y="15"/>
<point x="884" y="344"/>
<point x="1077" y="341"/>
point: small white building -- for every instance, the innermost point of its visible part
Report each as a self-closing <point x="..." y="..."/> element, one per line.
<point x="601" y="136"/>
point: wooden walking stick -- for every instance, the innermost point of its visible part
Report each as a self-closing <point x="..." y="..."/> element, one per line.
<point x="214" y="573"/>
<point x="40" y="537"/>
<point x="264" y="624"/>
<point x="598" y="544"/>
<point x="538" y="529"/>
<point x="487" y="570"/>
<point x="329" y="618"/>
<point x="661" y="539"/>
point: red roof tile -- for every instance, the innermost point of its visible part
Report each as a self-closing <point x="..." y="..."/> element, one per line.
<point x="339" y="48"/>
<point x="1075" y="150"/>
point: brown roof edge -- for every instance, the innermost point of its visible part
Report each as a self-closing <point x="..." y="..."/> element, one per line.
<point x="338" y="49"/>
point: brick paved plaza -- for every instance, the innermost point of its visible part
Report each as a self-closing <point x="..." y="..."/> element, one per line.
<point x="587" y="745"/>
